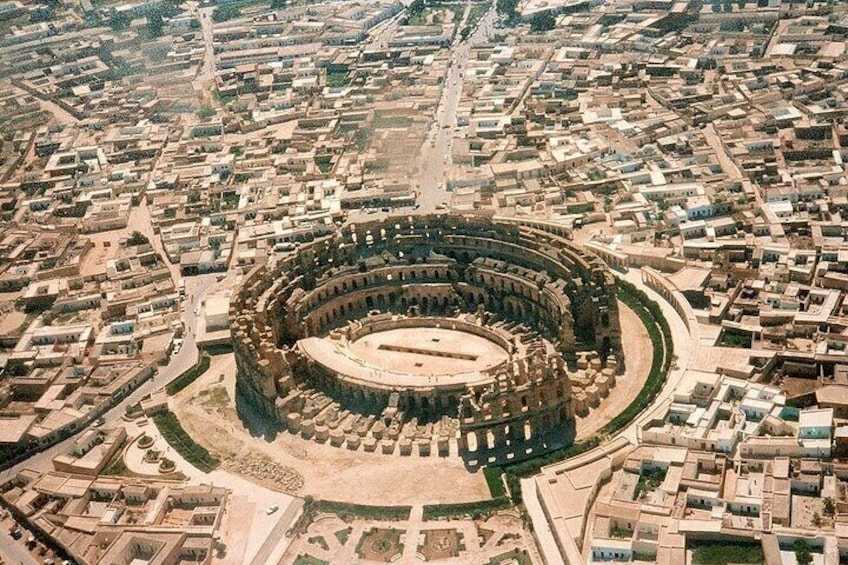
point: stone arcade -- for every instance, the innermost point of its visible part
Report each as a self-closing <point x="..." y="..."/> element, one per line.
<point x="413" y="334"/>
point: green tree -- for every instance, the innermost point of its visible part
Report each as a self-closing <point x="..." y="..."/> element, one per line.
<point x="506" y="8"/>
<point x="829" y="507"/>
<point x="416" y="8"/>
<point x="802" y="552"/>
<point x="119" y="21"/>
<point x="155" y="24"/>
<point x="543" y="21"/>
<point x="225" y="12"/>
<point x="278" y="4"/>
<point x="137" y="238"/>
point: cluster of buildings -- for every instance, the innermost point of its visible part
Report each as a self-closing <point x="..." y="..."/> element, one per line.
<point x="94" y="516"/>
<point x="144" y="143"/>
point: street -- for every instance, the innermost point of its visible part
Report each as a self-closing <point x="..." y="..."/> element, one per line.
<point x="435" y="161"/>
<point x="196" y="289"/>
<point x="14" y="552"/>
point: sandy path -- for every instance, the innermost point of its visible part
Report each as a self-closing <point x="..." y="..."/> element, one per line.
<point x="638" y="354"/>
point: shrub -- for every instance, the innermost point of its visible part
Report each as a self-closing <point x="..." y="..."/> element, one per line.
<point x="171" y="429"/>
<point x="189" y="376"/>
<point x="494" y="480"/>
<point x="436" y="511"/>
<point x="364" y="510"/>
<point x="650" y="314"/>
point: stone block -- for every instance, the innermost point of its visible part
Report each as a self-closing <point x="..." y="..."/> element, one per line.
<point x="307" y="429"/>
<point x="293" y="422"/>
<point x="337" y="437"/>
<point x="369" y="444"/>
<point x="353" y="441"/>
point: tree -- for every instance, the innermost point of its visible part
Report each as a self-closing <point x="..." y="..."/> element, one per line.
<point x="278" y="4"/>
<point x="506" y="8"/>
<point x="155" y="24"/>
<point x="225" y="12"/>
<point x="118" y="21"/>
<point x="415" y="8"/>
<point x="543" y="21"/>
<point x="829" y="507"/>
<point x="205" y="112"/>
<point x="137" y="238"/>
<point x="802" y="552"/>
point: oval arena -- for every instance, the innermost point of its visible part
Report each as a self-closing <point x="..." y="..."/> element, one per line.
<point x="442" y="334"/>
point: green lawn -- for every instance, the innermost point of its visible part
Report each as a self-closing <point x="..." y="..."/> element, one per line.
<point x="731" y="339"/>
<point x="309" y="560"/>
<point x="337" y="79"/>
<point x="173" y="432"/>
<point x="719" y="552"/>
<point x="189" y="376"/>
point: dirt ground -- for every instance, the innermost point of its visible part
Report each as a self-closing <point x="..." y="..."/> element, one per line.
<point x="10" y="319"/>
<point x="638" y="354"/>
<point x="208" y="415"/>
<point x="330" y="472"/>
<point x="95" y="260"/>
<point x="489" y="539"/>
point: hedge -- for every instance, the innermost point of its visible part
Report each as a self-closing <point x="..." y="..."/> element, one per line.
<point x="188" y="376"/>
<point x="494" y="480"/>
<point x="462" y="509"/>
<point x="659" y="332"/>
<point x="173" y="432"/>
<point x="364" y="510"/>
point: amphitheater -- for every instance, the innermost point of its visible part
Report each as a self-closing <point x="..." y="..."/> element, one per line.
<point x="429" y="335"/>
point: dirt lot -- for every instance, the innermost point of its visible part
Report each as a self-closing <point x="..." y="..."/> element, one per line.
<point x="10" y="319"/>
<point x="95" y="260"/>
<point x="638" y="354"/>
<point x="330" y="472"/>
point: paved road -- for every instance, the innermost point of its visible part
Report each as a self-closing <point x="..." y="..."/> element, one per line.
<point x="196" y="289"/>
<point x="435" y="161"/>
<point x="380" y="34"/>
<point x="14" y="552"/>
<point x="140" y="221"/>
<point x="685" y="349"/>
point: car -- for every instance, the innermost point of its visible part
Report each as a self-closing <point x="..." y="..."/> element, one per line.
<point x="98" y="422"/>
<point x="178" y="344"/>
<point x="271" y="509"/>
